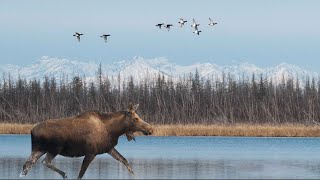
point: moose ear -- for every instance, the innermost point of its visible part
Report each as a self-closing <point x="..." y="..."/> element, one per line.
<point x="130" y="107"/>
<point x="135" y="107"/>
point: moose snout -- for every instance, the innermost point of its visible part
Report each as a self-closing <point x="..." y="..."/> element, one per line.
<point x="144" y="127"/>
<point x="148" y="130"/>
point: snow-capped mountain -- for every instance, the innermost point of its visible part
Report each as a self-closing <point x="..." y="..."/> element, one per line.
<point x="285" y="71"/>
<point x="47" y="66"/>
<point x="140" y="68"/>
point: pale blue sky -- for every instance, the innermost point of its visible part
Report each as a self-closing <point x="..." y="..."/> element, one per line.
<point x="265" y="32"/>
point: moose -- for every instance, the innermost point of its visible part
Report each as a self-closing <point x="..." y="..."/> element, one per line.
<point x="88" y="134"/>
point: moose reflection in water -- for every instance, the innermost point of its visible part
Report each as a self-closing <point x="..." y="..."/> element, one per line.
<point x="87" y="134"/>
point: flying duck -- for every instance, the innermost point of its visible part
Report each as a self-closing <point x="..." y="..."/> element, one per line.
<point x="159" y="25"/>
<point x="76" y="34"/>
<point x="194" y="24"/>
<point x="196" y="30"/>
<point x="168" y="26"/>
<point x="211" y="23"/>
<point x="182" y="21"/>
<point x="105" y="37"/>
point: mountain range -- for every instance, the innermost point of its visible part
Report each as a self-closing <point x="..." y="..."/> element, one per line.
<point x="140" y="68"/>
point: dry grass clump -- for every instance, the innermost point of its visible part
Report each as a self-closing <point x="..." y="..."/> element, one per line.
<point x="256" y="130"/>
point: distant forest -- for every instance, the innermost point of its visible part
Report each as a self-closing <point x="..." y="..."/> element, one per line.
<point x="188" y="100"/>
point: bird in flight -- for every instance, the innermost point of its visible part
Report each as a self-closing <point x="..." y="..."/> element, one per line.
<point x="211" y="23"/>
<point x="181" y="22"/>
<point x="196" y="30"/>
<point x="77" y="35"/>
<point x="159" y="25"/>
<point x="168" y="26"/>
<point x="105" y="37"/>
<point x="194" y="24"/>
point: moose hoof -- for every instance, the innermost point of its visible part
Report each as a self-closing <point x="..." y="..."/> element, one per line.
<point x="131" y="172"/>
<point x="22" y="174"/>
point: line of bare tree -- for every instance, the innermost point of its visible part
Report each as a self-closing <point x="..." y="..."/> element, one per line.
<point x="189" y="99"/>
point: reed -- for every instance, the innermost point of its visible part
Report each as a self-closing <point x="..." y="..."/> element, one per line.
<point x="15" y="128"/>
<point x="254" y="130"/>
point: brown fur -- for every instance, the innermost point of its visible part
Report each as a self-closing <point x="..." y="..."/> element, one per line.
<point x="87" y="134"/>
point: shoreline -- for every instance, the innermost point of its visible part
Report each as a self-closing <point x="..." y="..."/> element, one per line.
<point x="240" y="130"/>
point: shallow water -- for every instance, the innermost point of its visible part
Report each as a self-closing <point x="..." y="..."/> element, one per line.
<point x="180" y="157"/>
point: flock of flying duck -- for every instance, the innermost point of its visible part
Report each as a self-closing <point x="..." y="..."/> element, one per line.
<point x="104" y="36"/>
<point x="182" y="22"/>
<point x="167" y="26"/>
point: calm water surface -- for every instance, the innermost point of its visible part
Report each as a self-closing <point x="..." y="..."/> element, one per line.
<point x="180" y="158"/>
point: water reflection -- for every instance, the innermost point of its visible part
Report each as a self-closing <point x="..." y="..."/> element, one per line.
<point x="180" y="158"/>
<point x="102" y="168"/>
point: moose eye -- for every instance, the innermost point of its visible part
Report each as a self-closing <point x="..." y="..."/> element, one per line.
<point x="136" y="119"/>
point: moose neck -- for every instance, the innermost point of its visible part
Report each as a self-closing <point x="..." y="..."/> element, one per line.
<point x="116" y="124"/>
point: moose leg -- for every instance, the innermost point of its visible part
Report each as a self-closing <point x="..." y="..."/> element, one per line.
<point x="35" y="155"/>
<point x="86" y="161"/>
<point x="48" y="162"/>
<point x="116" y="155"/>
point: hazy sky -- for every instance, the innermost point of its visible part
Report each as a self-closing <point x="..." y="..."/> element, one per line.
<point x="265" y="32"/>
